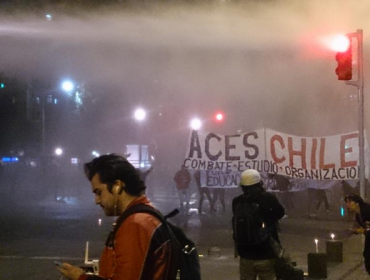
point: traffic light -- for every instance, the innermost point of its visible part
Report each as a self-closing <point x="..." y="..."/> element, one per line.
<point x="219" y="117"/>
<point x="344" y="59"/>
<point x="2" y="85"/>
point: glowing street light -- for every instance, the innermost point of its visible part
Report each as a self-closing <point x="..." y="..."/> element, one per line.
<point x="140" y="114"/>
<point x="58" y="151"/>
<point x="340" y="43"/>
<point x="95" y="154"/>
<point x="195" y="124"/>
<point x="68" y="86"/>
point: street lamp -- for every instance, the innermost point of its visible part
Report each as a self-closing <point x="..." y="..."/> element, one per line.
<point x="95" y="154"/>
<point x="195" y="124"/>
<point x="58" y="151"/>
<point x="140" y="114"/>
<point x="68" y="86"/>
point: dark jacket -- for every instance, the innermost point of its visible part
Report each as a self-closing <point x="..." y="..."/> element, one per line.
<point x="363" y="219"/>
<point x="271" y="212"/>
<point x="364" y="215"/>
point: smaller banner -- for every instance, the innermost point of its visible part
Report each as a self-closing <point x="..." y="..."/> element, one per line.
<point x="227" y="180"/>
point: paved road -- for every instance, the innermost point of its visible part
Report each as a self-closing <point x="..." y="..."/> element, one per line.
<point x="33" y="235"/>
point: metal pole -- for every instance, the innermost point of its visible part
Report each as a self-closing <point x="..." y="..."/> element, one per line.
<point x="43" y="127"/>
<point x="361" y="138"/>
<point x="360" y="86"/>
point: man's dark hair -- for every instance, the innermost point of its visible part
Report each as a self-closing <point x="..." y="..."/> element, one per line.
<point x="114" y="167"/>
<point x="355" y="198"/>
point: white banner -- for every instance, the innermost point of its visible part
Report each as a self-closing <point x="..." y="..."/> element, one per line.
<point x="318" y="158"/>
<point x="268" y="151"/>
<point x="225" y="180"/>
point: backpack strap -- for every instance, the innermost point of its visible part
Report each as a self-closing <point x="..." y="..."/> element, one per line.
<point x="139" y="208"/>
<point x="143" y="208"/>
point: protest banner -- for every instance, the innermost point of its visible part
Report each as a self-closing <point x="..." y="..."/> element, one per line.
<point x="332" y="157"/>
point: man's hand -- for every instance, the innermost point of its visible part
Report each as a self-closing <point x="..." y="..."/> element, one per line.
<point x="358" y="230"/>
<point x="70" y="271"/>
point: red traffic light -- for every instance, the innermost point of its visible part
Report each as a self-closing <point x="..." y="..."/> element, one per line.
<point x="219" y="117"/>
<point x="344" y="69"/>
<point x="340" y="43"/>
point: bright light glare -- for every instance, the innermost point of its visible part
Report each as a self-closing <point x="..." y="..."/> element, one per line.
<point x="140" y="114"/>
<point x="95" y="154"/>
<point x="58" y="151"/>
<point x="195" y="124"/>
<point x="219" y="116"/>
<point x="339" y="43"/>
<point x="68" y="86"/>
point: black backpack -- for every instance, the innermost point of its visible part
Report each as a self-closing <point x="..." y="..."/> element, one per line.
<point x="250" y="231"/>
<point x="189" y="268"/>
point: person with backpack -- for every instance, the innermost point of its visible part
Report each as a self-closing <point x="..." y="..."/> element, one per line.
<point x="255" y="227"/>
<point x="355" y="204"/>
<point x="141" y="246"/>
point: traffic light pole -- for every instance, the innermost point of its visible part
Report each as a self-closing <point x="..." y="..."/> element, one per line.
<point x="360" y="86"/>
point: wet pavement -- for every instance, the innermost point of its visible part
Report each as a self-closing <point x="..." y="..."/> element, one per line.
<point x="33" y="236"/>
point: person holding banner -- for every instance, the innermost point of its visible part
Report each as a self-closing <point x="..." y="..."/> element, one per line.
<point x="219" y="194"/>
<point x="203" y="190"/>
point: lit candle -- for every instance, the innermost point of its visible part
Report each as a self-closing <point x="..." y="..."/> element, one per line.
<point x="87" y="252"/>
<point x="332" y="236"/>
<point x="317" y="245"/>
<point x="99" y="222"/>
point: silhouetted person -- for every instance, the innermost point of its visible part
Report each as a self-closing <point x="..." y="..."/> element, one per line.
<point x="182" y="179"/>
<point x="257" y="260"/>
<point x="321" y="197"/>
<point x="355" y="203"/>
<point x="316" y="197"/>
<point x="219" y="194"/>
<point x="283" y="185"/>
<point x="203" y="191"/>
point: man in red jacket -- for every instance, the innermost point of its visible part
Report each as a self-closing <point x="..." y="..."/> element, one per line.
<point x="141" y="247"/>
<point x="182" y="179"/>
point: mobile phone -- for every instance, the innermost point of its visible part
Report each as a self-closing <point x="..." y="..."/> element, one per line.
<point x="57" y="263"/>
